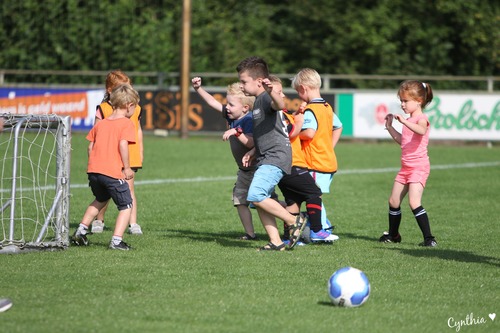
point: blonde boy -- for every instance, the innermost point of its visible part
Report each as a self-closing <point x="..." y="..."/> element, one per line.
<point x="240" y="137"/>
<point x="109" y="166"/>
<point x="320" y="132"/>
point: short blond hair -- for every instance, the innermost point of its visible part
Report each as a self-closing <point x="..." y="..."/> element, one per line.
<point x="234" y="89"/>
<point x="123" y="95"/>
<point x="307" y="77"/>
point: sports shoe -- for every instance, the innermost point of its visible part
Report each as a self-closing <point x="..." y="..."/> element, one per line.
<point x="135" y="229"/>
<point x="386" y="238"/>
<point x="97" y="226"/>
<point x="79" y="239"/>
<point x="121" y="246"/>
<point x="5" y="304"/>
<point x="322" y="236"/>
<point x="429" y="242"/>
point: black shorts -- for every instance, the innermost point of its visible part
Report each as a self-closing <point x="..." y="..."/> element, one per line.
<point x="299" y="186"/>
<point x="104" y="188"/>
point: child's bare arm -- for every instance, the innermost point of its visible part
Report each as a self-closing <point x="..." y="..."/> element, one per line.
<point x="420" y="127"/>
<point x="127" y="171"/>
<point x="388" y="126"/>
<point x="336" y="136"/>
<point x="278" y="102"/>
<point x="209" y="99"/>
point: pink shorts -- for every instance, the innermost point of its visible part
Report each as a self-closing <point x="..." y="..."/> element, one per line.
<point x="413" y="175"/>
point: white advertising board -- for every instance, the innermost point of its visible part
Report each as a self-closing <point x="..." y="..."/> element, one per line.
<point x="452" y="116"/>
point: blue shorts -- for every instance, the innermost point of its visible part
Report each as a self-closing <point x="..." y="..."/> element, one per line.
<point x="324" y="180"/>
<point x="264" y="181"/>
<point x="104" y="188"/>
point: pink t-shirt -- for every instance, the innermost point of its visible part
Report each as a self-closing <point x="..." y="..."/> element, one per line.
<point x="414" y="146"/>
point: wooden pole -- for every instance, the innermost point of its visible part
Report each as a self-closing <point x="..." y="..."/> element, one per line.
<point x="185" y="66"/>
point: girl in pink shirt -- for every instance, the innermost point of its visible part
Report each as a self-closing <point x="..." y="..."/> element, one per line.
<point x="415" y="165"/>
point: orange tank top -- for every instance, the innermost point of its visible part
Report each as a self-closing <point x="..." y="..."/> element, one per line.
<point x="319" y="152"/>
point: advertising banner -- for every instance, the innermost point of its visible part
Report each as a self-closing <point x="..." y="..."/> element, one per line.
<point x="452" y="116"/>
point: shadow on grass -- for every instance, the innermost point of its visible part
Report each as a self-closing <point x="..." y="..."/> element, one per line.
<point x="447" y="254"/>
<point x="347" y="235"/>
<point x="229" y="239"/>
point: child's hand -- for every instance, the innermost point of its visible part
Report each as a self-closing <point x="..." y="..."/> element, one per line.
<point x="388" y="120"/>
<point x="301" y="109"/>
<point x="196" y="82"/>
<point x="399" y="118"/>
<point x="267" y="84"/>
<point x="248" y="157"/>
<point x="129" y="173"/>
<point x="227" y="134"/>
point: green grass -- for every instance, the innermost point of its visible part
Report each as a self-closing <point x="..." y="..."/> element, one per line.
<point x="188" y="273"/>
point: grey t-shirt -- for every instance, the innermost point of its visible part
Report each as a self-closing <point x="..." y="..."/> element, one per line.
<point x="270" y="135"/>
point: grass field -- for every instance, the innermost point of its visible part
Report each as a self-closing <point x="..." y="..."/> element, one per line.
<point x="188" y="273"/>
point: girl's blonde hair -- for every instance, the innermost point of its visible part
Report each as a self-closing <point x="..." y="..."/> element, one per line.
<point x="307" y="77"/>
<point x="234" y="89"/>
<point x="416" y="90"/>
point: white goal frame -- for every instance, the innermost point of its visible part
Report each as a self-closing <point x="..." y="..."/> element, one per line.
<point x="35" y="182"/>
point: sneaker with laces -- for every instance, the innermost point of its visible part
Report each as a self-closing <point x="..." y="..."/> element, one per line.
<point x="79" y="239"/>
<point x="97" y="226"/>
<point x="323" y="236"/>
<point x="135" y="229"/>
<point x="386" y="238"/>
<point x="120" y="246"/>
<point x="429" y="242"/>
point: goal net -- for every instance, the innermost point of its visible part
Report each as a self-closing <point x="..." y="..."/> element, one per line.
<point x="34" y="186"/>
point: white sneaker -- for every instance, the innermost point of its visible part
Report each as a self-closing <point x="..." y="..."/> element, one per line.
<point x="97" y="226"/>
<point x="5" y="304"/>
<point x="135" y="229"/>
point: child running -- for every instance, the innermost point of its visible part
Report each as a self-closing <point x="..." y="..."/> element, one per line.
<point x="109" y="166"/>
<point x="273" y="152"/>
<point x="240" y="136"/>
<point x="415" y="164"/>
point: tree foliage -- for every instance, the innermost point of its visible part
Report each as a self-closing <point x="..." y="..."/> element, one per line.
<point x="397" y="37"/>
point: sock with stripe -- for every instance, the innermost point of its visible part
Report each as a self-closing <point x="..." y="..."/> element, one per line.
<point x="313" y="207"/>
<point x="394" y="221"/>
<point x="423" y="222"/>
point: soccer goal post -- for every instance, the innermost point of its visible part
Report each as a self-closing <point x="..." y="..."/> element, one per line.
<point x="34" y="185"/>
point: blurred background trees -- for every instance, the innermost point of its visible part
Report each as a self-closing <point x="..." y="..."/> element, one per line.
<point x="397" y="37"/>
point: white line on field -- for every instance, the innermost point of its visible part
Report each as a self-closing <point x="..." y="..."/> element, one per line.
<point x="340" y="172"/>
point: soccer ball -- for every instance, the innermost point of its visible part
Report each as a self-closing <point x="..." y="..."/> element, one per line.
<point x="348" y="287"/>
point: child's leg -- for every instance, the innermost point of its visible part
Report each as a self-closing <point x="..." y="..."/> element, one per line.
<point x="91" y="212"/>
<point x="415" y="198"/>
<point x="122" y="221"/>
<point x="102" y="212"/>
<point x="398" y="193"/>
<point x="275" y="209"/>
<point x="133" y="213"/>
<point x="269" y="223"/>
<point x="315" y="212"/>
<point x="246" y="219"/>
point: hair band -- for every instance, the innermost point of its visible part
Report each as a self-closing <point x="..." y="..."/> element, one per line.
<point x="424" y="85"/>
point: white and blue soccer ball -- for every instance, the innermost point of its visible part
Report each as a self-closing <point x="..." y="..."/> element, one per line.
<point x="348" y="287"/>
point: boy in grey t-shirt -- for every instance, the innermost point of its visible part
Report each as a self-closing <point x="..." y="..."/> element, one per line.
<point x="272" y="152"/>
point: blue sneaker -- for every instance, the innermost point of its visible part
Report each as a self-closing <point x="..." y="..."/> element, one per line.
<point x="322" y="236"/>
